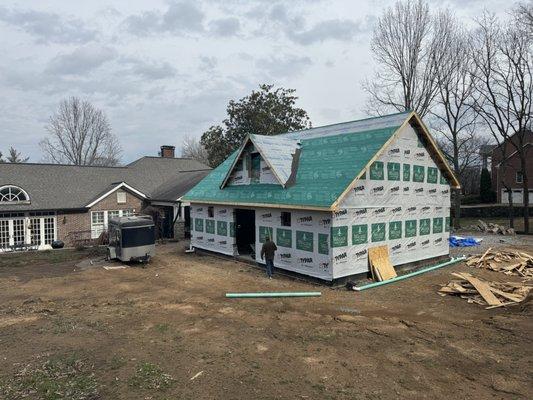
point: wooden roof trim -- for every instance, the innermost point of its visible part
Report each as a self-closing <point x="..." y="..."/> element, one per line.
<point x="258" y="205"/>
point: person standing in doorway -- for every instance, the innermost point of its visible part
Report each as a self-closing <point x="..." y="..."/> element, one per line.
<point x="267" y="252"/>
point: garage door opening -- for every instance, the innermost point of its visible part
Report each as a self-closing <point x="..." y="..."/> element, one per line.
<point x="245" y="231"/>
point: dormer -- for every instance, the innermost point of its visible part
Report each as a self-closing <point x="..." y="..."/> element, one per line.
<point x="263" y="160"/>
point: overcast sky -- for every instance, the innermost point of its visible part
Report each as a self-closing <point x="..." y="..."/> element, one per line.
<point x="163" y="69"/>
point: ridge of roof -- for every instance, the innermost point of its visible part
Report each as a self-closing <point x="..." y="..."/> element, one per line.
<point x="161" y="158"/>
<point x="65" y="165"/>
<point x="407" y="112"/>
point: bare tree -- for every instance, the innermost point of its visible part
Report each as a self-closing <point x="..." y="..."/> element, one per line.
<point x="453" y="117"/>
<point x="524" y="15"/>
<point x="192" y="148"/>
<point x="403" y="45"/>
<point x="15" y="156"/>
<point x="504" y="92"/>
<point x="80" y="134"/>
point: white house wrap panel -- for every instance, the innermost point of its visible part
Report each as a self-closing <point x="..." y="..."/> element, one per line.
<point x="402" y="202"/>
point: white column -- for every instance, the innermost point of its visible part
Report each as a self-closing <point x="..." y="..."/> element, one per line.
<point x="55" y="226"/>
<point x="41" y="231"/>
<point x="11" y="233"/>
<point x="27" y="234"/>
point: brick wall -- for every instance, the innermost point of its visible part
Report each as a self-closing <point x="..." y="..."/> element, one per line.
<point x="110" y="202"/>
<point x="68" y="222"/>
<point x="80" y="221"/>
<point x="513" y="165"/>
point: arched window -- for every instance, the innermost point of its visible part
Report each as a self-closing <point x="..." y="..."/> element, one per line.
<point x="13" y="194"/>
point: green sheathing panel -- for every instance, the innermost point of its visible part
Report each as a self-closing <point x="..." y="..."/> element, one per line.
<point x="327" y="166"/>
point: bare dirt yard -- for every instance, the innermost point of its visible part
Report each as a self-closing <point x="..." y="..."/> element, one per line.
<point x="168" y="332"/>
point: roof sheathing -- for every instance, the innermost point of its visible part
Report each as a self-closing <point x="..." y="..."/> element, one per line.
<point x="326" y="167"/>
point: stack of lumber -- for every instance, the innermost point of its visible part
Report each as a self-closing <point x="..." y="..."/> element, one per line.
<point x="510" y="263"/>
<point x="486" y="293"/>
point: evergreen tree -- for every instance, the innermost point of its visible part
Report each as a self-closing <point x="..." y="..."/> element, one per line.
<point x="486" y="195"/>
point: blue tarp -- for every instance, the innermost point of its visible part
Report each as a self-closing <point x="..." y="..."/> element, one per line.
<point x="458" y="241"/>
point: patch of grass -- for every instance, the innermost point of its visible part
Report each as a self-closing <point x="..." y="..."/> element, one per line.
<point x="150" y="376"/>
<point x="60" y="377"/>
<point x="62" y="325"/>
<point x="116" y="362"/>
<point x="26" y="258"/>
<point x="162" y="328"/>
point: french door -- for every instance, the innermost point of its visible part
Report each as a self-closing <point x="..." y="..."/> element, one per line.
<point x="36" y="230"/>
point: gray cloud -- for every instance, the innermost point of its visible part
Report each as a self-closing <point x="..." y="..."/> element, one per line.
<point x="225" y="26"/>
<point x="148" y="69"/>
<point x="208" y="63"/>
<point x="283" y="66"/>
<point x="48" y="27"/>
<point x="178" y="18"/>
<point x="292" y="22"/>
<point x="334" y="29"/>
<point x="81" y="61"/>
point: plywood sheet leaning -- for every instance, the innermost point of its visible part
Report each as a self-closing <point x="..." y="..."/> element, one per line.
<point x="380" y="263"/>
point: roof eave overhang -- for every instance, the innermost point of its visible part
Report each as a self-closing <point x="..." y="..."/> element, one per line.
<point x="118" y="186"/>
<point x="265" y="205"/>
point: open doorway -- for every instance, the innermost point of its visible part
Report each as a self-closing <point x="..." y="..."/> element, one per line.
<point x="187" y="217"/>
<point x="245" y="231"/>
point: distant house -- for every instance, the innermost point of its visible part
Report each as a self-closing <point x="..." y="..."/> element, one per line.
<point x="40" y="203"/>
<point x="327" y="194"/>
<point x="512" y="178"/>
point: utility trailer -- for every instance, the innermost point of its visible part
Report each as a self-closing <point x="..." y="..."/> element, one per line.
<point x="131" y="238"/>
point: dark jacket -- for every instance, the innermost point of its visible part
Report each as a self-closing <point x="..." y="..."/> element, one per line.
<point x="268" y="250"/>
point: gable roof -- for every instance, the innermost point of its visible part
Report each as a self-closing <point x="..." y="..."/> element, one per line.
<point x="276" y="151"/>
<point x="332" y="159"/>
<point x="59" y="186"/>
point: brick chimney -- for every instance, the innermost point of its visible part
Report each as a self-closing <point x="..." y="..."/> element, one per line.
<point x="167" y="151"/>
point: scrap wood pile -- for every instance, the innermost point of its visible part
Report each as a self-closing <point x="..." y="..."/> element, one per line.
<point x="508" y="262"/>
<point x="486" y="293"/>
<point x="490" y="227"/>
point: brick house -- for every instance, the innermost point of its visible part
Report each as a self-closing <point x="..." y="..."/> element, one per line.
<point x="40" y="203"/>
<point x="513" y="171"/>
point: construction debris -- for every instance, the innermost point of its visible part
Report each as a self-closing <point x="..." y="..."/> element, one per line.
<point x="491" y="228"/>
<point x="486" y="293"/>
<point x="509" y="262"/>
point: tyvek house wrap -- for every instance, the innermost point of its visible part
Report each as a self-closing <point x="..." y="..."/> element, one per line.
<point x="216" y="233"/>
<point x="303" y="247"/>
<point x="403" y="201"/>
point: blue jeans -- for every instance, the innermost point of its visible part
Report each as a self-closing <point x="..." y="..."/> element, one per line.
<point x="269" y="267"/>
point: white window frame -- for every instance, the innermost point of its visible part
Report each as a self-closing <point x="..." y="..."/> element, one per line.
<point x="121" y="197"/>
<point x="19" y="190"/>
<point x="98" y="228"/>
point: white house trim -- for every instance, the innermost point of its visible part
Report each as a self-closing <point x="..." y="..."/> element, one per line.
<point x="119" y="186"/>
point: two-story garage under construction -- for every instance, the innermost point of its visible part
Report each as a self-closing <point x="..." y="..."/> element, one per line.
<point x="325" y="195"/>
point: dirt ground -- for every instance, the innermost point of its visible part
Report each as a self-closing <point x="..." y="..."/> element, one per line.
<point x="168" y="332"/>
